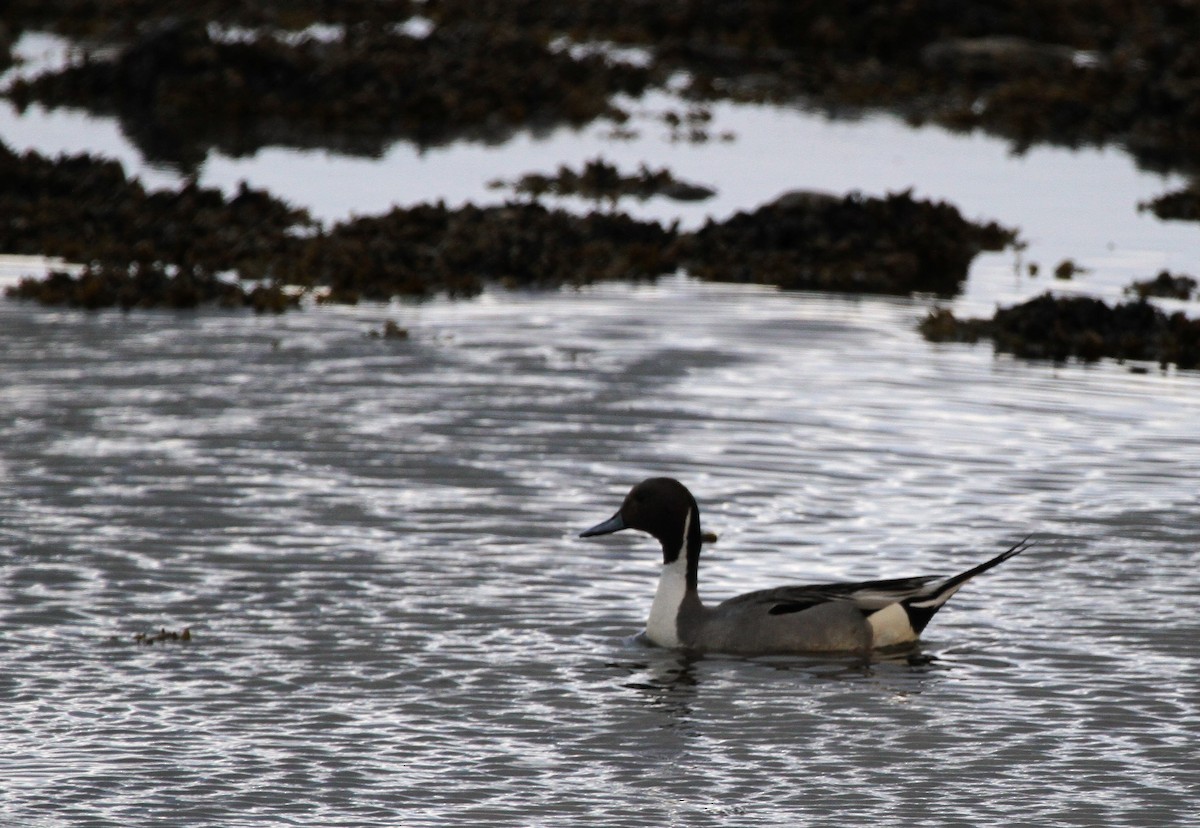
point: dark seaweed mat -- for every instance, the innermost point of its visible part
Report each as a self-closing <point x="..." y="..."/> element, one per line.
<point x="179" y="91"/>
<point x="892" y="245"/>
<point x="1180" y="205"/>
<point x="1058" y="71"/>
<point x="180" y="248"/>
<point x="1059" y="328"/>
<point x="431" y="248"/>
<point x="162" y="248"/>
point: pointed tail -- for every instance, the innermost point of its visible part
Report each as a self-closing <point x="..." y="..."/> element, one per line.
<point x="922" y="608"/>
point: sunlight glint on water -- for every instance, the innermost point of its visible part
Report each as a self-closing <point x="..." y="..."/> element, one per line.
<point x="373" y="545"/>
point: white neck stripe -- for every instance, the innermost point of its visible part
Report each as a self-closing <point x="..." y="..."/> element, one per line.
<point x="687" y="525"/>
<point x="663" y="625"/>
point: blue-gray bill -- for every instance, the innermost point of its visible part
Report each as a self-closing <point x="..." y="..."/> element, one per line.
<point x="614" y="524"/>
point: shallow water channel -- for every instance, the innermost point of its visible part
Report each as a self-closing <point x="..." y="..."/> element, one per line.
<point x="373" y="544"/>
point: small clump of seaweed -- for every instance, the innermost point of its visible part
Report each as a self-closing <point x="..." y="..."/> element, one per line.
<point x="1068" y="269"/>
<point x="1165" y="285"/>
<point x="163" y="636"/>
<point x="390" y="330"/>
<point x="600" y="180"/>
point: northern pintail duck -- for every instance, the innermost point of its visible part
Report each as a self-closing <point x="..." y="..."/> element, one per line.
<point x="839" y="617"/>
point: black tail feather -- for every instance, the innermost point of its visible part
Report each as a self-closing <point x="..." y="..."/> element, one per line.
<point x="921" y="609"/>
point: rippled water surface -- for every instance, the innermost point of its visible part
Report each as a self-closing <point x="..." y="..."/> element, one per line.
<point x="373" y="541"/>
<point x="373" y="544"/>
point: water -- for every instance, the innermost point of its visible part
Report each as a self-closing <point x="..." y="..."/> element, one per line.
<point x="373" y="544"/>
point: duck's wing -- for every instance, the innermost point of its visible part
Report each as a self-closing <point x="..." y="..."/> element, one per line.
<point x="867" y="596"/>
<point x="921" y="596"/>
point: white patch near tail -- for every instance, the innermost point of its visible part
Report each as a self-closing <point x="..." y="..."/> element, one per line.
<point x="939" y="598"/>
<point x="889" y="626"/>
<point x="663" y="625"/>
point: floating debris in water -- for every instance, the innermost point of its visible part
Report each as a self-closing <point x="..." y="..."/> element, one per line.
<point x="692" y="126"/>
<point x="390" y="330"/>
<point x="163" y="635"/>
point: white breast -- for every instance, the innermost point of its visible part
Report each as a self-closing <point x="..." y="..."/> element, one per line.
<point x="662" y="627"/>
